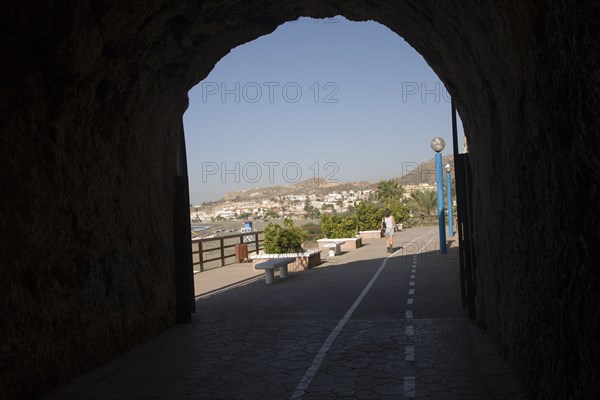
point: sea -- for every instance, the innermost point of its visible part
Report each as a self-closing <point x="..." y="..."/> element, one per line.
<point x="198" y="228"/>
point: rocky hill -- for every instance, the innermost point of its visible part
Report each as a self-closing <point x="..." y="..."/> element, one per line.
<point x="418" y="173"/>
<point x="423" y="172"/>
<point x="318" y="186"/>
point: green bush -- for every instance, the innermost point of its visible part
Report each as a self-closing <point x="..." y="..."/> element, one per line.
<point x="399" y="210"/>
<point x="368" y="215"/>
<point x="286" y="239"/>
<point x="336" y="226"/>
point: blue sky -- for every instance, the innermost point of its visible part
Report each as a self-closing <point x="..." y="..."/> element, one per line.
<point x="335" y="99"/>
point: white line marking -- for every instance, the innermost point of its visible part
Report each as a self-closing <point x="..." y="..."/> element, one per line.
<point x="318" y="360"/>
<point x="411" y="283"/>
<point x="425" y="247"/>
<point x="412" y="276"/>
<point x="409" y="330"/>
<point x="320" y="357"/>
<point x="409" y="386"/>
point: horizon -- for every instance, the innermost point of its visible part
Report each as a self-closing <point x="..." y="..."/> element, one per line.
<point x="304" y="102"/>
<point x="372" y="182"/>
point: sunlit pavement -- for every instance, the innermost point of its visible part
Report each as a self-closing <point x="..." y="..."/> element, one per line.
<point x="363" y="325"/>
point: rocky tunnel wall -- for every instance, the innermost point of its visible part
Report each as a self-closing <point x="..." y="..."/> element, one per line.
<point x="93" y="95"/>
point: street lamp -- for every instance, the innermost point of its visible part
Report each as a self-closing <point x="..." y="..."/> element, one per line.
<point x="437" y="145"/>
<point x="449" y="190"/>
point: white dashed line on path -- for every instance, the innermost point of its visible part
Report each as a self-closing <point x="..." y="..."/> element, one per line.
<point x="322" y="353"/>
<point x="409" y="330"/>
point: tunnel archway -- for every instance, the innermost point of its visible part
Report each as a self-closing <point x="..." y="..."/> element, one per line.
<point x="95" y="95"/>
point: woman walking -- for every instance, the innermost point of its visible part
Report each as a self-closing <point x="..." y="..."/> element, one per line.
<point x="389" y="224"/>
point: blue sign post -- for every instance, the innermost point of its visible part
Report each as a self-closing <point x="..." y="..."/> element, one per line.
<point x="437" y="145"/>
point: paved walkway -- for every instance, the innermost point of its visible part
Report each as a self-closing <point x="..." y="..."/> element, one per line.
<point x="217" y="280"/>
<point x="363" y="325"/>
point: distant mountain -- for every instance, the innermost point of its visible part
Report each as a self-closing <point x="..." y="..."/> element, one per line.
<point x="423" y="172"/>
<point x="316" y="186"/>
<point x="417" y="174"/>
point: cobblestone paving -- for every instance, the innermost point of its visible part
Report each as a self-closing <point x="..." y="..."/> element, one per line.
<point x="262" y="342"/>
<point x="267" y="359"/>
<point x="448" y="359"/>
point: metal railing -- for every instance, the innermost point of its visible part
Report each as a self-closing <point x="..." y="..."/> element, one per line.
<point x="223" y="247"/>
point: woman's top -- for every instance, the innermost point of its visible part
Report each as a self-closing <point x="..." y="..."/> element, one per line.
<point x="389" y="225"/>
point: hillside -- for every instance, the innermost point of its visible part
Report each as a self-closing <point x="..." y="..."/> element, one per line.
<point x="419" y="173"/>
<point x="423" y="172"/>
<point x="319" y="187"/>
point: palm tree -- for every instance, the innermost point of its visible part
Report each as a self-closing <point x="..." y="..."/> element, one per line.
<point x="389" y="190"/>
<point x="426" y="200"/>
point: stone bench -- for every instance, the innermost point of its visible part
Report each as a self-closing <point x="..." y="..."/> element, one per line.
<point x="270" y="265"/>
<point x="346" y="244"/>
<point x="334" y="246"/>
<point x="302" y="261"/>
<point x="374" y="234"/>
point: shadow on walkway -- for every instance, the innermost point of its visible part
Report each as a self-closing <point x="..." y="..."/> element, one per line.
<point x="362" y="325"/>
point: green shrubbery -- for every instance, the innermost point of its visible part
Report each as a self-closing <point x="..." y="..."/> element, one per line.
<point x="399" y="210"/>
<point x="286" y="239"/>
<point x="336" y="226"/>
<point x="368" y="215"/>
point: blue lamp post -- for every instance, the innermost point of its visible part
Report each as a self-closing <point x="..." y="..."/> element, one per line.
<point x="437" y="145"/>
<point x="449" y="191"/>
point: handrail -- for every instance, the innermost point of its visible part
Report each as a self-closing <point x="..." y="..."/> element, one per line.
<point x="199" y="247"/>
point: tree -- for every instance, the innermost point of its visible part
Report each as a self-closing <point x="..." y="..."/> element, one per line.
<point x="337" y="226"/>
<point x="399" y="210"/>
<point x="389" y="190"/>
<point x="368" y="215"/>
<point x="244" y="215"/>
<point x="389" y="194"/>
<point x="286" y="239"/>
<point x="311" y="211"/>
<point x="426" y="200"/>
<point x="271" y="214"/>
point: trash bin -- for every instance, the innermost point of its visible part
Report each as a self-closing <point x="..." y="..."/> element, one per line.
<point x="241" y="252"/>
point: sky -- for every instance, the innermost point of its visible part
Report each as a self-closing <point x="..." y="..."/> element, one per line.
<point x="334" y="99"/>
